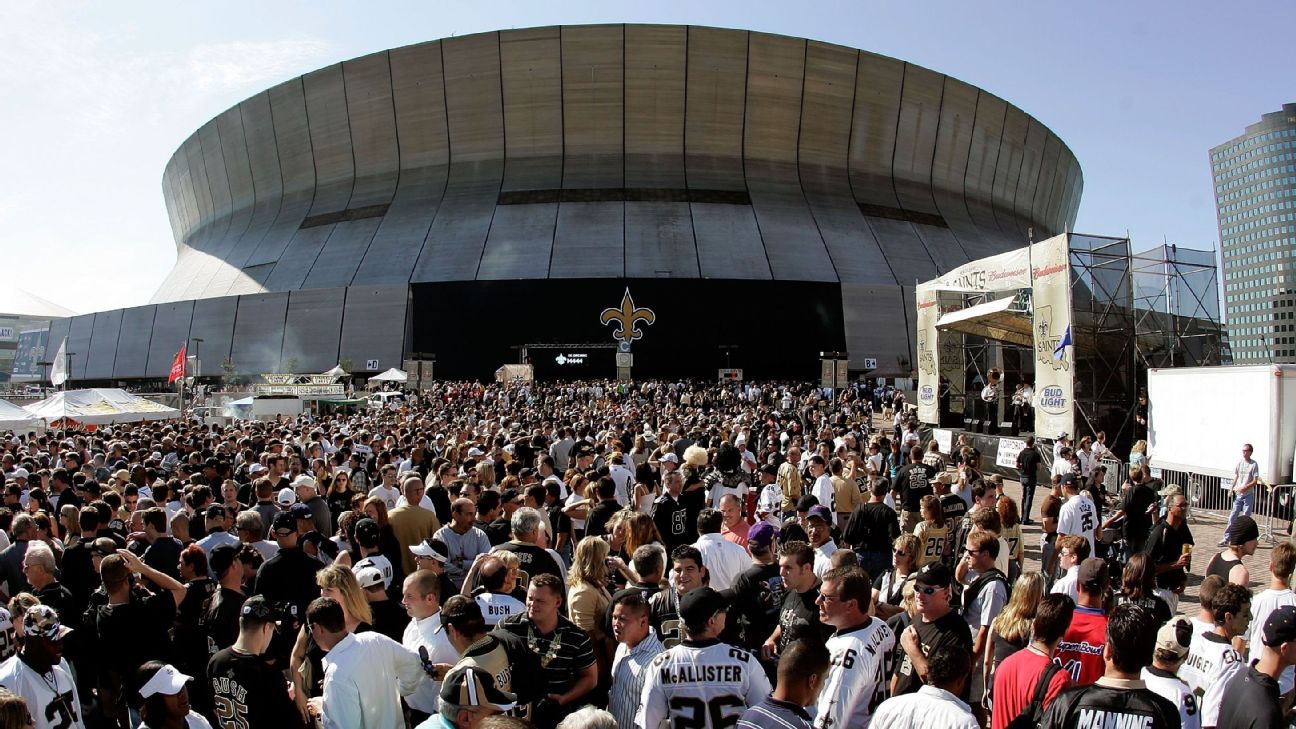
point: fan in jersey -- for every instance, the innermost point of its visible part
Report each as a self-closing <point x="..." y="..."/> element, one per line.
<point x="501" y="654"/>
<point x="1162" y="676"/>
<point x="689" y="574"/>
<point x="861" y="650"/>
<point x="246" y="690"/>
<point x="39" y="674"/>
<point x="1212" y="661"/>
<point x="1079" y="514"/>
<point x="701" y="682"/>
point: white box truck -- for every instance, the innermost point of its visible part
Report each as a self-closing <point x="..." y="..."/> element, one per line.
<point x="1199" y="417"/>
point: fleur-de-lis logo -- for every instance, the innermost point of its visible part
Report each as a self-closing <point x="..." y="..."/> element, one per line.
<point x="627" y="318"/>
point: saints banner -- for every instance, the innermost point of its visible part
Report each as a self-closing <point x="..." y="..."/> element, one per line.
<point x="1054" y="349"/>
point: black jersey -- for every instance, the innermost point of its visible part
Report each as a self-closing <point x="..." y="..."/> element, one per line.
<point x="1111" y="703"/>
<point x="247" y="691"/>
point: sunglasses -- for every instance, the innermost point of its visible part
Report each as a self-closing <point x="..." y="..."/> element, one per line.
<point x="900" y="553"/>
<point x="973" y="552"/>
<point x="927" y="589"/>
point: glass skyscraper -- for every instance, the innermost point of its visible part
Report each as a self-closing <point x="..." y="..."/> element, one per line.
<point x="1255" y="200"/>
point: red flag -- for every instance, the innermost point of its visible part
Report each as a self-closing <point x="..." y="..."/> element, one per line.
<point x="178" y="365"/>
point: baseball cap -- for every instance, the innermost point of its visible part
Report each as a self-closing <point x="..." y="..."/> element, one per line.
<point x="433" y="548"/>
<point x="769" y="469"/>
<point x="472" y="686"/>
<point x="945" y="477"/>
<point x="167" y="681"/>
<point x="934" y="574"/>
<point x="368" y="576"/>
<point x="20" y="473"/>
<point x="286" y="496"/>
<point x="256" y="468"/>
<point x="1279" y="627"/>
<point x="258" y="608"/>
<point x="1069" y="479"/>
<point x="697" y="606"/>
<point x="222" y="557"/>
<point x="1093" y="571"/>
<point x="1062" y="435"/>
<point x="669" y="458"/>
<point x="820" y="512"/>
<point x="1244" y="530"/>
<point x="215" y="511"/>
<point x="806" y="503"/>
<point x="367" y="532"/>
<point x="43" y="621"/>
<point x="1174" y="637"/>
<point x="303" y="481"/>
<point x="300" y="511"/>
<point x="762" y="534"/>
<point x="284" y="521"/>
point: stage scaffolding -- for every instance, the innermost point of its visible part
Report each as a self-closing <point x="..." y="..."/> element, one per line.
<point x="1166" y="297"/>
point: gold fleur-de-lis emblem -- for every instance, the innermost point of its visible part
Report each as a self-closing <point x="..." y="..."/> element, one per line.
<point x="627" y="319"/>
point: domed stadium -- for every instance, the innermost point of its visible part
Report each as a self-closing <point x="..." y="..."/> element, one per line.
<point x="703" y="198"/>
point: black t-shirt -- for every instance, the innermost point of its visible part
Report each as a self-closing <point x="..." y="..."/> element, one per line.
<point x="78" y="572"/>
<point x="219" y="620"/>
<point x="1165" y="546"/>
<point x="871" y="528"/>
<point x="247" y="691"/>
<point x="532" y="561"/>
<point x="59" y="597"/>
<point x="389" y="618"/>
<point x="758" y="594"/>
<point x="163" y="555"/>
<point x="799" y="618"/>
<point x="913" y="482"/>
<point x="289" y="576"/>
<point x="1250" y="702"/>
<point x="954" y="507"/>
<point x="950" y="629"/>
<point x="497" y="532"/>
<point x="134" y="632"/>
<point x="1028" y="464"/>
<point x="596" y="521"/>
<point x="562" y="523"/>
<point x="1138" y="522"/>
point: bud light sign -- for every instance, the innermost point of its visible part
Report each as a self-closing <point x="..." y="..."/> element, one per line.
<point x="927" y="394"/>
<point x="1052" y="400"/>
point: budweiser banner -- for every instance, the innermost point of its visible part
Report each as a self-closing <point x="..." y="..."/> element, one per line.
<point x="1051" y="325"/>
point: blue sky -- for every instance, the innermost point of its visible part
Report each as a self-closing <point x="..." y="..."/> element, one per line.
<point x="97" y="97"/>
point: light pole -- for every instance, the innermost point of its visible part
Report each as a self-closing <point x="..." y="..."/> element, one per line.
<point x="67" y="361"/>
<point x="45" y="373"/>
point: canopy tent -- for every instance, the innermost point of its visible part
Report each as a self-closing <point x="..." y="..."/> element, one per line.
<point x="391" y="375"/>
<point x="16" y="419"/>
<point x="99" y="406"/>
<point x="996" y="320"/>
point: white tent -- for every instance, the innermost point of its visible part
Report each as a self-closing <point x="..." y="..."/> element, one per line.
<point x="391" y="375"/>
<point x="16" y="419"/>
<point x="99" y="406"/>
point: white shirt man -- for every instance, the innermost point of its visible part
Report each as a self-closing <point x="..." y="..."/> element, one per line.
<point x="723" y="559"/>
<point x="365" y="675"/>
<point x="1078" y="515"/>
<point x="426" y="633"/>
<point x="389" y="494"/>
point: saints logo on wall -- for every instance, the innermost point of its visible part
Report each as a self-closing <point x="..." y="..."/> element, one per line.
<point x="627" y="319"/>
<point x="1048" y="344"/>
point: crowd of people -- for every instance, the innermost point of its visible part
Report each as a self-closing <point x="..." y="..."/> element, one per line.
<point x="612" y="554"/>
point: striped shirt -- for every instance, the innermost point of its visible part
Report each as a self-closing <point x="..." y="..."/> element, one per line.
<point x="774" y="714"/>
<point x="629" y="667"/>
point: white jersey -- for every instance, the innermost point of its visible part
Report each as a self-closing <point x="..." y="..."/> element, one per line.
<point x="1211" y="662"/>
<point x="703" y="684"/>
<point x="770" y="503"/>
<point x="827" y="495"/>
<point x="56" y="706"/>
<point x="1172" y="688"/>
<point x="1079" y="516"/>
<point x="858" y="678"/>
<point x="496" y="606"/>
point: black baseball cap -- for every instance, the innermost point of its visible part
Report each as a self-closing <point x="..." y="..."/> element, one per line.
<point x="284" y="521"/>
<point x="215" y="511"/>
<point x="698" y="605"/>
<point x="1280" y="626"/>
<point x="222" y="557"/>
<point x="367" y="533"/>
<point x="934" y="574"/>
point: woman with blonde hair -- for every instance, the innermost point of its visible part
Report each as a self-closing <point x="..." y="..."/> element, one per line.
<point x="70" y="522"/>
<point x="1138" y="454"/>
<point x="486" y="476"/>
<point x="890" y="586"/>
<point x="588" y="598"/>
<point x="1011" y="629"/>
<point x="306" y="664"/>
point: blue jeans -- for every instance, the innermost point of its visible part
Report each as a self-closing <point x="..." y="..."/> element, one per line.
<point x="1243" y="505"/>
<point x="1028" y="500"/>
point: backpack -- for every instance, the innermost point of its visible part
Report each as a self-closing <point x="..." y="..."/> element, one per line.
<point x="1034" y="711"/>
<point x="971" y="592"/>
